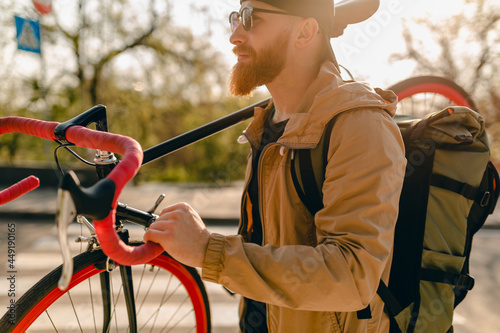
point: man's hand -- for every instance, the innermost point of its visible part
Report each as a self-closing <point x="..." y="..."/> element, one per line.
<point x="182" y="234"/>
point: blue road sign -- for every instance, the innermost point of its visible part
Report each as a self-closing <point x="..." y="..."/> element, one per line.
<point x="28" y="35"/>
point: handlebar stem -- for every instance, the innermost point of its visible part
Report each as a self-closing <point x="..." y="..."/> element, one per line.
<point x="103" y="157"/>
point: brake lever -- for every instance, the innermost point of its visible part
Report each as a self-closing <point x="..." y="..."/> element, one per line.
<point x="157" y="203"/>
<point x="66" y="213"/>
<point x="94" y="202"/>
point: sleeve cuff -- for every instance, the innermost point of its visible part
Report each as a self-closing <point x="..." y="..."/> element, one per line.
<point x="212" y="264"/>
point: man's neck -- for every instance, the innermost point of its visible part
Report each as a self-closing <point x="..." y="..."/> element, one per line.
<point x="288" y="90"/>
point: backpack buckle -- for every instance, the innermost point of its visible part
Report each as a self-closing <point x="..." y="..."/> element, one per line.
<point x="485" y="199"/>
<point x="464" y="281"/>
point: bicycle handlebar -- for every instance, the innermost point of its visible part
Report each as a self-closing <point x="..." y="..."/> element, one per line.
<point x="114" y="182"/>
<point x="18" y="189"/>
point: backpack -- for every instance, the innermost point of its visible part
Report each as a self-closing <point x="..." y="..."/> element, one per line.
<point x="450" y="188"/>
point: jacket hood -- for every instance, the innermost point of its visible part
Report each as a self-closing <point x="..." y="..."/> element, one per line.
<point x="328" y="96"/>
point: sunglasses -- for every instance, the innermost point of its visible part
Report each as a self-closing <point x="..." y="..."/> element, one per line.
<point x="245" y="17"/>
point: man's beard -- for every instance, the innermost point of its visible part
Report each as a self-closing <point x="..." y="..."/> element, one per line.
<point x="263" y="69"/>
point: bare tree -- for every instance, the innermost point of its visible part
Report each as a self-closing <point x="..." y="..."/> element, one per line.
<point x="464" y="48"/>
<point x="157" y="80"/>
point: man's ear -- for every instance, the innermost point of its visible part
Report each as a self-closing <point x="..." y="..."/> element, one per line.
<point x="308" y="30"/>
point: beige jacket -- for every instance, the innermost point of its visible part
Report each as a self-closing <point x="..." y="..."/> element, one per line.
<point x="316" y="273"/>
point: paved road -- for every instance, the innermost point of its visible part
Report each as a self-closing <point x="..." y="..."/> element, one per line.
<point x="37" y="253"/>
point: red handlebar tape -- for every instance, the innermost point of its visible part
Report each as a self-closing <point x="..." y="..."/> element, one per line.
<point x="121" y="174"/>
<point x="18" y="189"/>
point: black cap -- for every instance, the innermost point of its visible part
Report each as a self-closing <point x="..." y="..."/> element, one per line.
<point x="321" y="10"/>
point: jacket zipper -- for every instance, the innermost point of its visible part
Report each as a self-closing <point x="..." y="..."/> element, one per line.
<point x="259" y="179"/>
<point x="260" y="194"/>
<point x="259" y="186"/>
<point x="243" y="210"/>
<point x="244" y="199"/>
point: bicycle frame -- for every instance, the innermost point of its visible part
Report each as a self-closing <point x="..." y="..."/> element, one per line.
<point x="200" y="133"/>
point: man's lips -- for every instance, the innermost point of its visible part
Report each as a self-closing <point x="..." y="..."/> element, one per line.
<point x="243" y="56"/>
<point x="243" y="53"/>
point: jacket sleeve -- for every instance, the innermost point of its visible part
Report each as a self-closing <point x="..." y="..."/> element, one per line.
<point x="354" y="230"/>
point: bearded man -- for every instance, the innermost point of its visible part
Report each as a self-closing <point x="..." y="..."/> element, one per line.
<point x="299" y="272"/>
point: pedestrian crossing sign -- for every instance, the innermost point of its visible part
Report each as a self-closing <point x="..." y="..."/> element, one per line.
<point x="28" y="35"/>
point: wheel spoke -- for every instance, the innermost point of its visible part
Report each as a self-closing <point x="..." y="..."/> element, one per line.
<point x="163" y="301"/>
<point x="74" y="311"/>
<point x="171" y="327"/>
<point x="115" y="302"/>
<point x="149" y="289"/>
<point x="55" y="328"/>
<point x="140" y="281"/>
<point x="167" y="325"/>
<point x="92" y="305"/>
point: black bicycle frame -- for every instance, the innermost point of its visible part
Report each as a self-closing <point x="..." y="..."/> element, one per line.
<point x="97" y="115"/>
<point x="200" y="133"/>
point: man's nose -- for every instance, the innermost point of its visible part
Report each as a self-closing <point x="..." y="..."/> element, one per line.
<point x="238" y="36"/>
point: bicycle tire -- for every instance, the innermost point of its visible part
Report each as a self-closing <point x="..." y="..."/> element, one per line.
<point x="88" y="264"/>
<point x="415" y="90"/>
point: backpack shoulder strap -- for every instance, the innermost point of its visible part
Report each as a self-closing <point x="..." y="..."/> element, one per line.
<point x="306" y="180"/>
<point x="310" y="192"/>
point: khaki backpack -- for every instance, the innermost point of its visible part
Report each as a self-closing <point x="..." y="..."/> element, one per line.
<point x="450" y="188"/>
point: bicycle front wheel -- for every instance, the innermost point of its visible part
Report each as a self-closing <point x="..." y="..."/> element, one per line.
<point x="167" y="297"/>
<point x="421" y="95"/>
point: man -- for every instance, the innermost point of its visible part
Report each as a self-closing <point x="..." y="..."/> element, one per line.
<point x="298" y="272"/>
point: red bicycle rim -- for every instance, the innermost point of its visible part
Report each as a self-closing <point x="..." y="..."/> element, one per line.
<point x="173" y="266"/>
<point x="437" y="88"/>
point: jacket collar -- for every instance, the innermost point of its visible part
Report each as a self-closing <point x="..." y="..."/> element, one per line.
<point x="327" y="96"/>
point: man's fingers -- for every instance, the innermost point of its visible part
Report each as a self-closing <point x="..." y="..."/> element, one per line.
<point x="150" y="235"/>
<point x="155" y="236"/>
<point x="182" y="206"/>
<point x="159" y="224"/>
